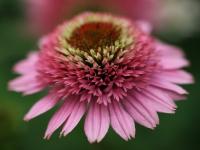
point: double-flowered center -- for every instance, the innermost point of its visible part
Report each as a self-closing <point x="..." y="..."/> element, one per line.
<point x="94" y="35"/>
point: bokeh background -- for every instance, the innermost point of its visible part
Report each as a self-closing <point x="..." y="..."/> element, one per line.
<point x="176" y="132"/>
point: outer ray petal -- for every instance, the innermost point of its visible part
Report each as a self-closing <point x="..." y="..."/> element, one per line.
<point x="148" y="107"/>
<point x="171" y="57"/>
<point x="60" y="116"/>
<point x="74" y="118"/>
<point x="28" y="65"/>
<point x="105" y="122"/>
<point x="156" y="105"/>
<point x="121" y="121"/>
<point x="27" y="84"/>
<point x="173" y="63"/>
<point x="159" y="95"/>
<point x="175" y="76"/>
<point x="169" y="86"/>
<point x="42" y="106"/>
<point x="138" y="113"/>
<point x="169" y="51"/>
<point x="97" y="122"/>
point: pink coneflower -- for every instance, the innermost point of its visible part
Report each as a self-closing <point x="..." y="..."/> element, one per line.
<point x="106" y="67"/>
<point x="44" y="15"/>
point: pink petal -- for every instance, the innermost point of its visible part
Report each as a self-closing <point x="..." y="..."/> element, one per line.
<point x="175" y="96"/>
<point x="160" y="95"/>
<point x="42" y="106"/>
<point x="159" y="107"/>
<point x="60" y="116"/>
<point x="97" y="122"/>
<point x="121" y="121"/>
<point x="169" y="50"/>
<point x="22" y="81"/>
<point x="144" y="108"/>
<point x="148" y="106"/>
<point x="105" y="122"/>
<point x="28" y="84"/>
<point x="171" y="57"/>
<point x="74" y="118"/>
<point x="176" y="76"/>
<point x="173" y="63"/>
<point x="33" y="90"/>
<point x="91" y="123"/>
<point x="169" y="86"/>
<point x="27" y="65"/>
<point x="156" y="105"/>
<point x="138" y="113"/>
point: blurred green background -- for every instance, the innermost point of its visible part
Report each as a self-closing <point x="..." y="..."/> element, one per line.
<point x="177" y="132"/>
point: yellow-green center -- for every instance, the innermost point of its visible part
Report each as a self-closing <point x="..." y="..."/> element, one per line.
<point x="96" y="39"/>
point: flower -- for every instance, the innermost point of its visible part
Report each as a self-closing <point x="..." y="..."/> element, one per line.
<point x="45" y="15"/>
<point x="106" y="67"/>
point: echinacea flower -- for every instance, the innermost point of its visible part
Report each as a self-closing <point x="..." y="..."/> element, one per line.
<point x="107" y="68"/>
<point x="45" y="15"/>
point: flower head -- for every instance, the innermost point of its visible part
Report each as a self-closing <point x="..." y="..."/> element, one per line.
<point x="106" y="67"/>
